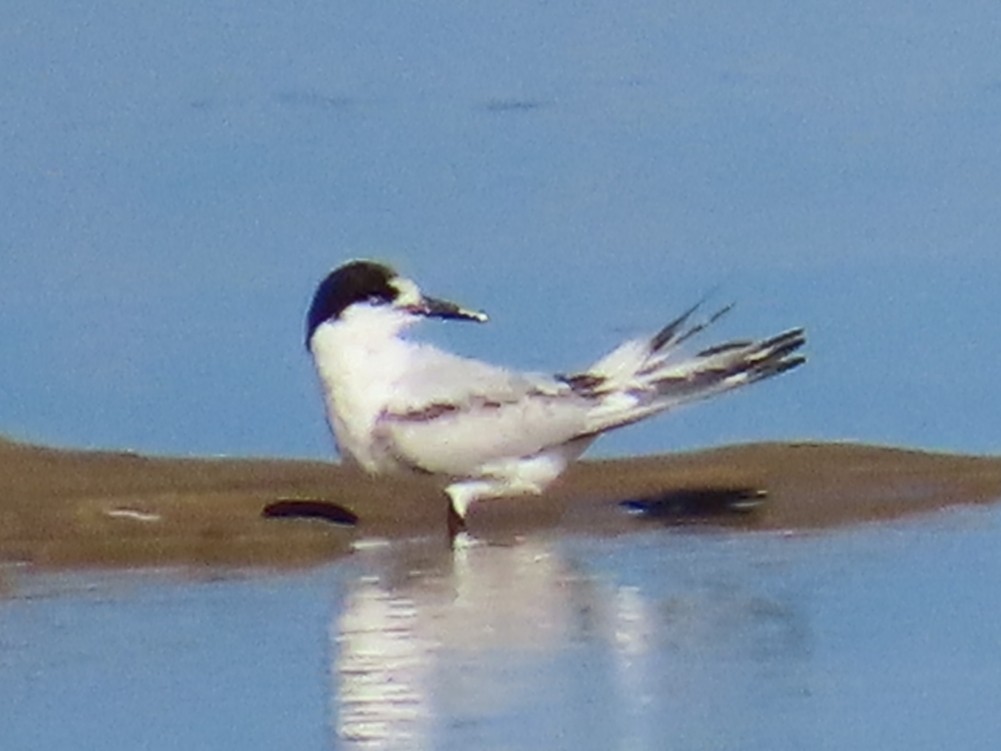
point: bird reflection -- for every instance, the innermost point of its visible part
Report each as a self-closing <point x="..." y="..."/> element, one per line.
<point x="433" y="643"/>
<point x="411" y="636"/>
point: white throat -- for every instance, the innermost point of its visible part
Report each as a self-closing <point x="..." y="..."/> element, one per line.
<point x="358" y="359"/>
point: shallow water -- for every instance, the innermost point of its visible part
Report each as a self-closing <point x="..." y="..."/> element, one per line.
<point x="877" y="637"/>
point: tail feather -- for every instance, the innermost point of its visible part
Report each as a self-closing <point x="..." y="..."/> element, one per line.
<point x="643" y="377"/>
<point x="675" y="332"/>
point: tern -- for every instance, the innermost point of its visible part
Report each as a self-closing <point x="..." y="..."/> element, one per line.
<point x="394" y="404"/>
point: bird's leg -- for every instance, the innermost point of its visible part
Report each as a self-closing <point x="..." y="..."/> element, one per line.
<point x="460" y="496"/>
<point x="456" y="523"/>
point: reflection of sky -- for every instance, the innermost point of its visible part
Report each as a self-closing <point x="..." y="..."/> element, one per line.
<point x="146" y="661"/>
<point x="177" y="176"/>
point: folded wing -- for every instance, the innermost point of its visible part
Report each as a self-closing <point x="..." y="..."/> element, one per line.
<point x="454" y="416"/>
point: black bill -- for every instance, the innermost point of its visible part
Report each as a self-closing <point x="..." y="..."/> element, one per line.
<point x="432" y="307"/>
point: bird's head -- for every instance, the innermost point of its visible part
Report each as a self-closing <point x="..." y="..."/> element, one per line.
<point x="377" y="291"/>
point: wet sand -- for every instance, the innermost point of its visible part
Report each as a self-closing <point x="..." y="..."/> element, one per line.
<point x="70" y="508"/>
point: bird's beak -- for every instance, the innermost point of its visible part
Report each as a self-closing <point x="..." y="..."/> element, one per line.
<point x="432" y="307"/>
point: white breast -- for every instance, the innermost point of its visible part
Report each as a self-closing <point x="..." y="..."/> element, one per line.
<point x="357" y="367"/>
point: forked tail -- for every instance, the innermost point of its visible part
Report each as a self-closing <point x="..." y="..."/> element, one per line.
<point x="643" y="377"/>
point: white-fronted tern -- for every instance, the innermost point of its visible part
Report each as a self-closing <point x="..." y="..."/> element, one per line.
<point x="395" y="404"/>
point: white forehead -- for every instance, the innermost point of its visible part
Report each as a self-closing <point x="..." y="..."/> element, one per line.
<point x="410" y="293"/>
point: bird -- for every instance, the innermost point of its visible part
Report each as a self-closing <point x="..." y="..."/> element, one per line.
<point x="395" y="404"/>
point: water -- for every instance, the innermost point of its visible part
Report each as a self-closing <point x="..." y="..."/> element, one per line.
<point x="878" y="637"/>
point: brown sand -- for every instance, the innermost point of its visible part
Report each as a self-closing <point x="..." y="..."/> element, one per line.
<point x="64" y="508"/>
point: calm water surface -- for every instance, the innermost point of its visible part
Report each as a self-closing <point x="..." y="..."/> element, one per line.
<point x="878" y="637"/>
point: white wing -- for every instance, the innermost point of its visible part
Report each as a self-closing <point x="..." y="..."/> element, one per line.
<point x="453" y="415"/>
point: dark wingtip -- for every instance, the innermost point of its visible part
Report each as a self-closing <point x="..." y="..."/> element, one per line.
<point x="780" y="349"/>
<point x="776" y="367"/>
<point x="797" y="335"/>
